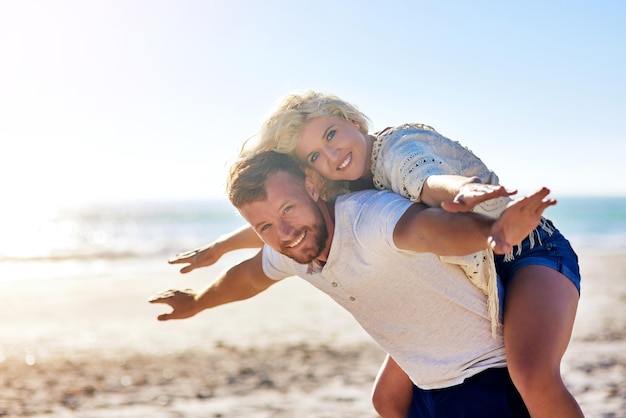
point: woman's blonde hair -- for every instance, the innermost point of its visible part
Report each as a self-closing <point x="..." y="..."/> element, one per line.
<point x="282" y="129"/>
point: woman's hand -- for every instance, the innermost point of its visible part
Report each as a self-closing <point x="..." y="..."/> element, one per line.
<point x="471" y="194"/>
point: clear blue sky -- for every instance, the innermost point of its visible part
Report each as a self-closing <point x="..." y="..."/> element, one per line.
<point x="150" y="99"/>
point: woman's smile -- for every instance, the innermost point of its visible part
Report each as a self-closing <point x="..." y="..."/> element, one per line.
<point x="345" y="162"/>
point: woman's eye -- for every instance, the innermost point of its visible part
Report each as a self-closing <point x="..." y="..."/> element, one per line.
<point x="330" y="135"/>
<point x="265" y="227"/>
<point x="314" y="157"/>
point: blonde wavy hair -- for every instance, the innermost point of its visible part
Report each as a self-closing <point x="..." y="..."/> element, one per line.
<point x="282" y="129"/>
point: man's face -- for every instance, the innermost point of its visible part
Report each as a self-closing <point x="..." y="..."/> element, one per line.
<point x="289" y="220"/>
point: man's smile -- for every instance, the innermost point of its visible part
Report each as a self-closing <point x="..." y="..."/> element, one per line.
<point x="297" y="240"/>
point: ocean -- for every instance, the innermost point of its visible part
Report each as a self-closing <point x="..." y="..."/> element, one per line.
<point x="112" y="237"/>
<point x="105" y="238"/>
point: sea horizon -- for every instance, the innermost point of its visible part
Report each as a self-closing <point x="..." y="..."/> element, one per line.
<point x="117" y="236"/>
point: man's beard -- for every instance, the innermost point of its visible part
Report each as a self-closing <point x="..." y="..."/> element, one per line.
<point x="320" y="236"/>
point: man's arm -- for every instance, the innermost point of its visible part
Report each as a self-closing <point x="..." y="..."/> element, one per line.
<point x="239" y="282"/>
<point x="243" y="237"/>
<point x="443" y="233"/>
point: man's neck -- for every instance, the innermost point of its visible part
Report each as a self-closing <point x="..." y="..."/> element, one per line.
<point x="328" y="211"/>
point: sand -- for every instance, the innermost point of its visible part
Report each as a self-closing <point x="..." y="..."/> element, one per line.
<point x="90" y="346"/>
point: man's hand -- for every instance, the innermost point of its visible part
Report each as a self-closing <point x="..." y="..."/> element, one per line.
<point x="183" y="303"/>
<point x="243" y="237"/>
<point x="471" y="194"/>
<point x="518" y="220"/>
<point x="200" y="257"/>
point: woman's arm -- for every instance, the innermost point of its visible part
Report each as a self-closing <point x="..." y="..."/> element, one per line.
<point x="443" y="188"/>
<point x="459" y="193"/>
<point x="434" y="230"/>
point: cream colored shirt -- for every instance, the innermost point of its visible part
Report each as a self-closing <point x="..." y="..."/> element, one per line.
<point x="420" y="310"/>
<point x="405" y="156"/>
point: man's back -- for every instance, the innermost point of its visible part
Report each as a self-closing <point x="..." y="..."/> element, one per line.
<point x="425" y="313"/>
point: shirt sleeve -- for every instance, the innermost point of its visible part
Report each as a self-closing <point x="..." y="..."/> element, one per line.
<point x="404" y="163"/>
<point x="377" y="218"/>
<point x="275" y="265"/>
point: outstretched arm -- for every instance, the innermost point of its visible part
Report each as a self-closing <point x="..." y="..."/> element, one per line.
<point x="443" y="233"/>
<point x="244" y="237"/>
<point x="459" y="193"/>
<point x="518" y="220"/>
<point x="239" y="282"/>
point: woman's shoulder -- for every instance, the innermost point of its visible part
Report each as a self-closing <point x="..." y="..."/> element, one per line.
<point x="405" y="128"/>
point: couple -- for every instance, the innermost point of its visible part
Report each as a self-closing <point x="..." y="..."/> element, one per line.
<point x="371" y="252"/>
<point x="330" y="136"/>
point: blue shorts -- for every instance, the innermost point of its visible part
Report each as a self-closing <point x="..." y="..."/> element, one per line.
<point x="488" y="394"/>
<point x="546" y="246"/>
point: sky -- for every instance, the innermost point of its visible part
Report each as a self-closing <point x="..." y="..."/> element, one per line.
<point x="151" y="99"/>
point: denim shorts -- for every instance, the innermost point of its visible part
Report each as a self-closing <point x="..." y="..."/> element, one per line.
<point x="546" y="246"/>
<point x="488" y="394"/>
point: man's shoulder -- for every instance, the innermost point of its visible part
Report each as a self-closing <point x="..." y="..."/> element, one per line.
<point x="277" y="266"/>
<point x="370" y="204"/>
<point x="366" y="197"/>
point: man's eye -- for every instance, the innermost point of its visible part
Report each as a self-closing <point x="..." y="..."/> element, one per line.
<point x="314" y="157"/>
<point x="265" y="227"/>
<point x="330" y="135"/>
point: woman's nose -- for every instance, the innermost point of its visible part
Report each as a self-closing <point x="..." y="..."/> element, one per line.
<point x="331" y="153"/>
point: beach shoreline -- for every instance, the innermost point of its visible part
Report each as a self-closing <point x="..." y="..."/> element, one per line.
<point x="92" y="347"/>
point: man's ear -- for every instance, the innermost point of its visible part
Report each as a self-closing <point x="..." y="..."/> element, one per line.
<point x="311" y="187"/>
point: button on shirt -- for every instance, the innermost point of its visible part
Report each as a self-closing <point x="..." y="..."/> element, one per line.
<point x="423" y="312"/>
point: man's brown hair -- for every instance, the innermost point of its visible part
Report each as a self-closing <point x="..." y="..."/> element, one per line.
<point x="247" y="176"/>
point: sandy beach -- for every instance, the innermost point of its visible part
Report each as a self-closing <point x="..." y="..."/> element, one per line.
<point x="92" y="347"/>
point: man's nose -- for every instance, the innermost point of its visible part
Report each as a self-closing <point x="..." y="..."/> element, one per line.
<point x="285" y="230"/>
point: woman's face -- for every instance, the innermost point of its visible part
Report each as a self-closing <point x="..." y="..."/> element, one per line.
<point x="335" y="148"/>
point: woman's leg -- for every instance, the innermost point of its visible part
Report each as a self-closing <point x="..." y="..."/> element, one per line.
<point x="393" y="391"/>
<point x="539" y="316"/>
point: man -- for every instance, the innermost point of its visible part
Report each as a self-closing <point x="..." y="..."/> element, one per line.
<point x="376" y="254"/>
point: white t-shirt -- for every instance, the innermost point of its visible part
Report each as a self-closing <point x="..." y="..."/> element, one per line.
<point x="422" y="311"/>
<point x="405" y="156"/>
